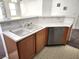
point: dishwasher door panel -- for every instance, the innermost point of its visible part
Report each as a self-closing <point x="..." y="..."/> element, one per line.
<point x="55" y="35"/>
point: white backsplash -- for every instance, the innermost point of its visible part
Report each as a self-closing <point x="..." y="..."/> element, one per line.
<point x="51" y="19"/>
<point x="35" y="20"/>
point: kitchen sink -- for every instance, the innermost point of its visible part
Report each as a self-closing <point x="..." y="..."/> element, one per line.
<point x="20" y="32"/>
<point x="25" y="30"/>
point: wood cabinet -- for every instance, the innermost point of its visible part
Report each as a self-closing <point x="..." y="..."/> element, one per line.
<point x="41" y="39"/>
<point x="11" y="48"/>
<point x="64" y="37"/>
<point x="26" y="47"/>
<point x="68" y="34"/>
<point x="57" y="35"/>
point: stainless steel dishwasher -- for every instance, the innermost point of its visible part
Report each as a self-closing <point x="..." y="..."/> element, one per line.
<point x="55" y="35"/>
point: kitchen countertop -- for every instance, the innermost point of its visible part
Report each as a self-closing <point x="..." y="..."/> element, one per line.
<point x="16" y="38"/>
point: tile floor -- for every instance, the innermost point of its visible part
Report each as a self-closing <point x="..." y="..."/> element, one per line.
<point x="58" y="52"/>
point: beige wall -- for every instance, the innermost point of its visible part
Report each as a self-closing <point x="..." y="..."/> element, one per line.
<point x="72" y="7"/>
<point x="31" y="8"/>
<point x="47" y="7"/>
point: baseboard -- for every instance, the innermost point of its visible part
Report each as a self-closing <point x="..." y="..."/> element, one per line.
<point x="55" y="45"/>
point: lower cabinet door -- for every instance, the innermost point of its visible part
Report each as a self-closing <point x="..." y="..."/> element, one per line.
<point x="41" y="39"/>
<point x="26" y="47"/>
